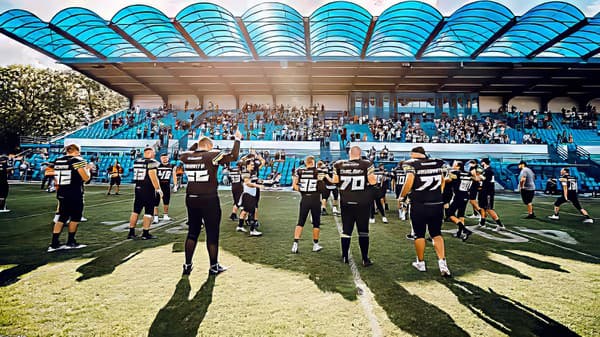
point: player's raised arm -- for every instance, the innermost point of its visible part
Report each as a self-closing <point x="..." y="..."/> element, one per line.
<point x="371" y="177"/>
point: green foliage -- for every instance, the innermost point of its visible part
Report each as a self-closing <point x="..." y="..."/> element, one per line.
<point x="44" y="102"/>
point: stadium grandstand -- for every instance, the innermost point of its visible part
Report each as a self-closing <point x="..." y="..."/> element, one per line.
<point x="480" y="82"/>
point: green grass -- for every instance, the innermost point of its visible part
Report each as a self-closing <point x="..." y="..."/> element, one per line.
<point x="539" y="287"/>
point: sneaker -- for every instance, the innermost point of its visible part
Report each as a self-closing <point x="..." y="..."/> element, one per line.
<point x="474" y="216"/>
<point x="74" y="245"/>
<point x="148" y="237"/>
<point x="345" y="260"/>
<point x="155" y="219"/>
<point x="166" y="217"/>
<point x="411" y="237"/>
<point x="295" y="248"/>
<point x="372" y="220"/>
<point x="131" y="236"/>
<point x="466" y="234"/>
<point x="83" y="219"/>
<point x="55" y="248"/>
<point x="254" y="232"/>
<point x="419" y="265"/>
<point x="316" y="247"/>
<point x="6" y="211"/>
<point x="458" y="234"/>
<point x="117" y="193"/>
<point x="590" y="220"/>
<point x="530" y="216"/>
<point x="233" y="217"/>
<point x="335" y="211"/>
<point x="384" y="219"/>
<point x="499" y="228"/>
<point x="187" y="269"/>
<point x="367" y="262"/>
<point x="554" y="217"/>
<point x="216" y="269"/>
<point x="240" y="229"/>
<point x="443" y="268"/>
<point x="108" y="193"/>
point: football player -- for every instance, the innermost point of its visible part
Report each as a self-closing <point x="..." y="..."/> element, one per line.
<point x="353" y="175"/>
<point x="5" y="171"/>
<point x="379" y="190"/>
<point x="425" y="183"/>
<point x="235" y="176"/>
<point x="569" y="193"/>
<point x="71" y="172"/>
<point x="486" y="195"/>
<point x="461" y="182"/>
<point x="249" y="198"/>
<point x="147" y="189"/>
<point x="165" y="172"/>
<point x="202" y="199"/>
<point x="306" y="181"/>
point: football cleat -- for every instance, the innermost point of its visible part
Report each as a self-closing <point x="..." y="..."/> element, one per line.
<point x="474" y="216"/>
<point x="74" y="245"/>
<point x="233" y="217"/>
<point x="466" y="234"/>
<point x="83" y="219"/>
<point x="499" y="228"/>
<point x="384" y="219"/>
<point x="295" y="248"/>
<point x="443" y="268"/>
<point x="372" y="220"/>
<point x="166" y="217"/>
<point x="419" y="265"/>
<point x="316" y="247"/>
<point x="55" y="248"/>
<point x="458" y="234"/>
<point x="131" y="236"/>
<point x="187" y="269"/>
<point x="155" y="219"/>
<point x="590" y="220"/>
<point x="216" y="269"/>
<point x="530" y="216"/>
<point x="6" y="211"/>
<point x="148" y="237"/>
<point x="367" y="262"/>
<point x="240" y="229"/>
<point x="554" y="217"/>
<point x="254" y="232"/>
<point x="411" y="237"/>
<point x="345" y="260"/>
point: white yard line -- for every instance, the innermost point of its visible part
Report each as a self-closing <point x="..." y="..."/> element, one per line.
<point x="365" y="295"/>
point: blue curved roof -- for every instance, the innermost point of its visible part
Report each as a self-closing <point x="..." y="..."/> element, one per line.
<point x="275" y="29"/>
<point x="214" y="29"/>
<point x="408" y="30"/>
<point x="403" y="28"/>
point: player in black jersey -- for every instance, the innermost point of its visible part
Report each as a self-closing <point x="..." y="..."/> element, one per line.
<point x="352" y="177"/>
<point x="569" y="193"/>
<point x="165" y="172"/>
<point x="235" y="176"/>
<point x="249" y="199"/>
<point x="71" y="172"/>
<point x="5" y="170"/>
<point x="328" y="188"/>
<point x="259" y="163"/>
<point x="459" y="182"/>
<point x="475" y="171"/>
<point x="486" y="195"/>
<point x="447" y="193"/>
<point x="147" y="193"/>
<point x="202" y="199"/>
<point x="379" y="190"/>
<point x="425" y="183"/>
<point x="306" y="181"/>
<point x="398" y="179"/>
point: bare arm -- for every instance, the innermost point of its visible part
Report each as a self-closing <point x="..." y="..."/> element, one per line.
<point x="154" y="179"/>
<point x="295" y="186"/>
<point x="84" y="173"/>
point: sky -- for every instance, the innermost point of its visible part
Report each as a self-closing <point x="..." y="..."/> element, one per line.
<point x="13" y="52"/>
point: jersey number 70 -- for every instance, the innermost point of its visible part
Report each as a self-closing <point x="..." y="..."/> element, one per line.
<point x="357" y="183"/>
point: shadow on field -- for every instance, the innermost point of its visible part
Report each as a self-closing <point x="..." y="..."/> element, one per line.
<point x="532" y="262"/>
<point x="506" y="315"/>
<point x="182" y="316"/>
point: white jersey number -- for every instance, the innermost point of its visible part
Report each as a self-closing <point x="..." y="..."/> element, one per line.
<point x="357" y="183"/>
<point x="430" y="183"/>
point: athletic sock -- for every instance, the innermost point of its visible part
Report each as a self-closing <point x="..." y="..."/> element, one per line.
<point x="461" y="226"/>
<point x="241" y="222"/>
<point x="345" y="247"/>
<point x="587" y="216"/>
<point x="55" y="239"/>
<point x="296" y="240"/>
<point x="315" y="240"/>
<point x="363" y="242"/>
<point x="146" y="232"/>
<point x="499" y="222"/>
<point x="131" y="231"/>
<point x="71" y="238"/>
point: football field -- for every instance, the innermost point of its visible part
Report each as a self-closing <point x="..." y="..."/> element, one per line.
<point x="538" y="278"/>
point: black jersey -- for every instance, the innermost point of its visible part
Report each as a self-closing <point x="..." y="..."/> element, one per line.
<point x="308" y="179"/>
<point x="165" y="172"/>
<point x="381" y="175"/>
<point x="461" y="184"/>
<point x="353" y="180"/>
<point x="141" y="168"/>
<point x="322" y="182"/>
<point x="474" y="172"/>
<point x="428" y="176"/>
<point x="571" y="183"/>
<point x="4" y="169"/>
<point x="201" y="169"/>
<point x="328" y="184"/>
<point x="399" y="175"/>
<point x="70" y="184"/>
<point x="235" y="176"/>
<point x="487" y="185"/>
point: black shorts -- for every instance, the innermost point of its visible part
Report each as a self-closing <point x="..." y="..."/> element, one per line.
<point x="457" y="207"/>
<point x="3" y="190"/>
<point x="236" y="191"/>
<point x="310" y="203"/>
<point x="447" y="195"/>
<point x="486" y="200"/>
<point x="248" y="202"/>
<point x="115" y="181"/>
<point x="355" y="214"/>
<point x="166" y="188"/>
<point x="473" y="193"/>
<point x="572" y="198"/>
<point x="70" y="208"/>
<point x="146" y="200"/>
<point x="203" y="210"/>
<point x="425" y="217"/>
<point x="328" y="192"/>
<point x="527" y="196"/>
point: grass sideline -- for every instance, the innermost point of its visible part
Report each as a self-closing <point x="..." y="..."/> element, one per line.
<point x="543" y="286"/>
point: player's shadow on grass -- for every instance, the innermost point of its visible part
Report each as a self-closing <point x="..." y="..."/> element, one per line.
<point x="505" y="314"/>
<point x="532" y="262"/>
<point x="182" y="316"/>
